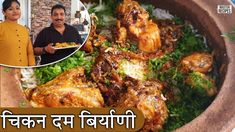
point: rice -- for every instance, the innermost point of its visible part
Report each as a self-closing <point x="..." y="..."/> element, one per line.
<point x="134" y="68"/>
<point x="28" y="78"/>
<point x="162" y="14"/>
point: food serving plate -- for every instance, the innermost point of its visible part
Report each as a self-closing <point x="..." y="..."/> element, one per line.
<point x="65" y="45"/>
<point x="69" y="47"/>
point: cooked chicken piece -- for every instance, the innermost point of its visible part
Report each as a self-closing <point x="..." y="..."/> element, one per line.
<point x="111" y="67"/>
<point x="121" y="33"/>
<point x="99" y="40"/>
<point x="94" y="40"/>
<point x="88" y="46"/>
<point x="149" y="39"/>
<point x="147" y="97"/>
<point x="130" y="12"/>
<point x="69" y="89"/>
<point x="199" y="62"/>
<point x="202" y="83"/>
<point x="135" y="20"/>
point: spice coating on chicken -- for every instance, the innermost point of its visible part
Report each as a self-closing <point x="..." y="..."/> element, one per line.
<point x="135" y="20"/>
<point x="147" y="97"/>
<point x="198" y="62"/>
<point x="94" y="39"/>
<point x="111" y="68"/>
<point x="69" y="89"/>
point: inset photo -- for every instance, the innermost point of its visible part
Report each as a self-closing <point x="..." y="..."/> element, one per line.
<point x="37" y="33"/>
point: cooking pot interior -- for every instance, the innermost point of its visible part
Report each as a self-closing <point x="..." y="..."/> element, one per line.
<point x="201" y="20"/>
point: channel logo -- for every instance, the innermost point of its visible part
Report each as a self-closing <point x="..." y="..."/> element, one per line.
<point x="224" y="9"/>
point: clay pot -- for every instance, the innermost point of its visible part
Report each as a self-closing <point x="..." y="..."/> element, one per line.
<point x="220" y="115"/>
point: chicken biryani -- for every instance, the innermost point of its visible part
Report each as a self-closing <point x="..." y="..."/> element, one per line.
<point x="135" y="56"/>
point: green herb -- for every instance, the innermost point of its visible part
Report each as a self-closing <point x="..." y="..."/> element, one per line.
<point x="172" y="76"/>
<point x="92" y="9"/>
<point x="107" y="82"/>
<point x="107" y="12"/>
<point x="188" y="102"/>
<point x="107" y="44"/>
<point x="190" y="42"/>
<point x="230" y="35"/>
<point x="200" y="82"/>
<point x="7" y="69"/>
<point x="133" y="47"/>
<point x="185" y="110"/>
<point x="178" y="20"/>
<point x="129" y="46"/>
<point x="47" y="73"/>
<point x="149" y="8"/>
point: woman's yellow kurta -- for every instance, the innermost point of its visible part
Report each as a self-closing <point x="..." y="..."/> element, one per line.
<point x="15" y="45"/>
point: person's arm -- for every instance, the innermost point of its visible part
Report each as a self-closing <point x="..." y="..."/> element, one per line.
<point x="44" y="50"/>
<point x="39" y="48"/>
<point x="31" y="57"/>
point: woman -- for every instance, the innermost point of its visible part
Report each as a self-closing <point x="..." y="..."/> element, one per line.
<point x="15" y="44"/>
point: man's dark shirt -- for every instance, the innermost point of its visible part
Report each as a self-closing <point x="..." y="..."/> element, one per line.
<point x="51" y="35"/>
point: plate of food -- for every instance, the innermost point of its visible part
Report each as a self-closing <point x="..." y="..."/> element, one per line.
<point x="65" y="45"/>
<point x="169" y="66"/>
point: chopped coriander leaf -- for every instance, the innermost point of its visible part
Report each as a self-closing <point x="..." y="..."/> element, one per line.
<point x="190" y="42"/>
<point x="203" y="84"/>
<point x="189" y="105"/>
<point x="47" y="73"/>
<point x="107" y="44"/>
<point x="6" y="69"/>
<point x="133" y="47"/>
<point x="230" y="35"/>
<point x="188" y="102"/>
<point x="178" y="20"/>
<point x="107" y="82"/>
<point x="106" y="14"/>
<point x="149" y="8"/>
<point x="185" y="110"/>
<point x="92" y="9"/>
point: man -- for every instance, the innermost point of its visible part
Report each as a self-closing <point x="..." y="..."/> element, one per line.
<point x="58" y="32"/>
